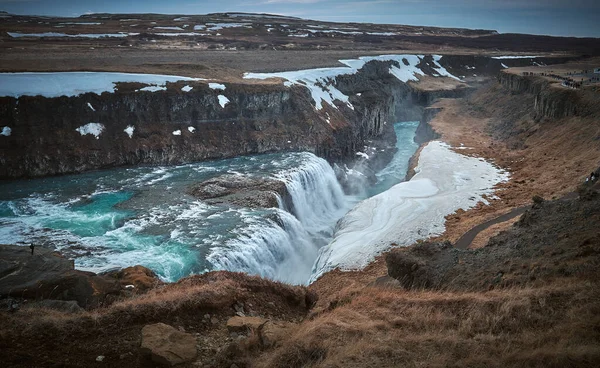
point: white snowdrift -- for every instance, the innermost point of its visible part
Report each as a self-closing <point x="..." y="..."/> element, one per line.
<point x="445" y="181"/>
<point x="320" y="82"/>
<point x="217" y="86"/>
<point x="223" y="101"/>
<point x="94" y="129"/>
<point x="75" y="83"/>
<point x="129" y="130"/>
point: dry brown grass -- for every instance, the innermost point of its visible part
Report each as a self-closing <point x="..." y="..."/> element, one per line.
<point x="555" y="325"/>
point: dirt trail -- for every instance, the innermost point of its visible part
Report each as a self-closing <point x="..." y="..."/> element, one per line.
<point x="465" y="241"/>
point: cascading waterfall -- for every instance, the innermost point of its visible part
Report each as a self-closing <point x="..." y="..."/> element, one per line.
<point x="142" y="215"/>
<point x="285" y="248"/>
<point x="280" y="249"/>
<point x="317" y="195"/>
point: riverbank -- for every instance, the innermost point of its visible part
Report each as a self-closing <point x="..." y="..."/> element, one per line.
<point x="445" y="182"/>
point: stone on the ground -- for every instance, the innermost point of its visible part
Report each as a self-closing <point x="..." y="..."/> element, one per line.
<point x="272" y="332"/>
<point x="166" y="345"/>
<point x="243" y="324"/>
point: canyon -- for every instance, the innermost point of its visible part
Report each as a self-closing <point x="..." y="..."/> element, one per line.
<point x="261" y="97"/>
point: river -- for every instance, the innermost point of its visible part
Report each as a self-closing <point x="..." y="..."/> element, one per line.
<point x="126" y="216"/>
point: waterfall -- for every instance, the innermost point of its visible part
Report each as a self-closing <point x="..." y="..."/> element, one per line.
<point x="280" y="250"/>
<point x="284" y="246"/>
<point x="319" y="200"/>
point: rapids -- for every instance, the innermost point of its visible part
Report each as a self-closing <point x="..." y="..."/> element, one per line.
<point x="121" y="217"/>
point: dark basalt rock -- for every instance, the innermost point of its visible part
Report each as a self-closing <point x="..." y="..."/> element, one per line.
<point x="47" y="275"/>
<point x="243" y="191"/>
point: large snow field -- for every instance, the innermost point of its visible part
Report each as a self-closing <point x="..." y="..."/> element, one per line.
<point x="75" y="83"/>
<point x="320" y="81"/>
<point x="445" y="182"/>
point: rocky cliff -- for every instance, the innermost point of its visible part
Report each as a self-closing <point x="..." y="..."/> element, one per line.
<point x="550" y="99"/>
<point x="174" y="126"/>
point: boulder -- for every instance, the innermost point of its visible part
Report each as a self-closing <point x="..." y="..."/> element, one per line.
<point x="242" y="190"/>
<point x="140" y="277"/>
<point x="166" y="345"/>
<point x="48" y="275"/>
<point x="243" y="324"/>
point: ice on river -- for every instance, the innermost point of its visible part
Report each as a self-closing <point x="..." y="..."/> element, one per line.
<point x="445" y="182"/>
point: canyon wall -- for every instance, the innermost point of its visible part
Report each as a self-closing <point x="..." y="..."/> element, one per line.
<point x="550" y="99"/>
<point x="173" y="126"/>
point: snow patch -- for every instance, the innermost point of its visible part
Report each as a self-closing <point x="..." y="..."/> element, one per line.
<point x="441" y="70"/>
<point x="514" y="57"/>
<point x="170" y="28"/>
<point x="6" y="131"/>
<point x="217" y="86"/>
<point x="363" y="155"/>
<point x="191" y="129"/>
<point x="223" y="101"/>
<point x="177" y="132"/>
<point x="504" y="66"/>
<point x="94" y="129"/>
<point x="186" y="88"/>
<point x="320" y="82"/>
<point x="75" y="83"/>
<point x="219" y="26"/>
<point x="445" y="182"/>
<point x="82" y="23"/>
<point x="129" y="130"/>
<point x="152" y="89"/>
<point x="181" y="34"/>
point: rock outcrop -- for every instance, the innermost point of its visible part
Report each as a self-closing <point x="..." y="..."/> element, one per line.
<point x="550" y="99"/>
<point x="242" y="190"/>
<point x="555" y="238"/>
<point x="47" y="275"/>
<point x="166" y="345"/>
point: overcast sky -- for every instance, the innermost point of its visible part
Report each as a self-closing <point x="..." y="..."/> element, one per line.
<point x="552" y="17"/>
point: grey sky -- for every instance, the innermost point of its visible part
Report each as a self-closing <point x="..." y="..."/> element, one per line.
<point x="553" y="17"/>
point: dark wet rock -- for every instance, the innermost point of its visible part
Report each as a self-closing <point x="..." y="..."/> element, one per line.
<point x="47" y="275"/>
<point x="242" y="190"/>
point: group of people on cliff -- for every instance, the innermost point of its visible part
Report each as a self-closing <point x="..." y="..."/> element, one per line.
<point x="566" y="81"/>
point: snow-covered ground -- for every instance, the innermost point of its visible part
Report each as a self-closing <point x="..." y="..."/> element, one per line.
<point x="321" y="81"/>
<point x="76" y="83"/>
<point x="514" y="57"/>
<point x="445" y="182"/>
<point x="80" y="35"/>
